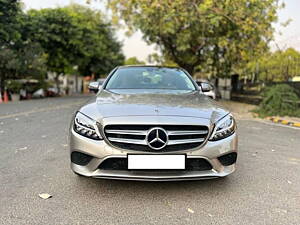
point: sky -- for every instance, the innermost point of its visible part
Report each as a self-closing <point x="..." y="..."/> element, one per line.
<point x="290" y="35"/>
<point x="134" y="45"/>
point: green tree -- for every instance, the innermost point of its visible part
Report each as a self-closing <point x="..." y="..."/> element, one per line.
<point x="222" y="34"/>
<point x="10" y="11"/>
<point x="161" y="60"/>
<point x="75" y="36"/>
<point x="97" y="46"/>
<point x="54" y="31"/>
<point x="134" y="61"/>
<point x="19" y="56"/>
<point x="275" y="66"/>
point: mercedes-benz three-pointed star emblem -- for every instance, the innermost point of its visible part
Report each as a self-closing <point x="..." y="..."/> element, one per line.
<point x="157" y="138"/>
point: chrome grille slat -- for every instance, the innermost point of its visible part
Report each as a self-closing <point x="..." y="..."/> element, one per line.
<point x="134" y="136"/>
<point x="187" y="132"/>
<point x="131" y="132"/>
<point x="185" y="141"/>
<point x="129" y="141"/>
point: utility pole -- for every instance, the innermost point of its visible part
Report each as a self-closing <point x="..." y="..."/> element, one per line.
<point x="76" y="78"/>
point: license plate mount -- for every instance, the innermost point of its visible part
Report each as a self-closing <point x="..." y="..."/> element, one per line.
<point x="156" y="162"/>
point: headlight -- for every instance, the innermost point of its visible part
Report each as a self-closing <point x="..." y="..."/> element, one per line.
<point x="224" y="128"/>
<point x="86" y="126"/>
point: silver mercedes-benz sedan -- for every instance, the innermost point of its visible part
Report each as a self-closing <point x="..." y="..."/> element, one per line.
<point x="152" y="123"/>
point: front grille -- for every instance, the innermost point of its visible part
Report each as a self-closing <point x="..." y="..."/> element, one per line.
<point x="192" y="164"/>
<point x="134" y="137"/>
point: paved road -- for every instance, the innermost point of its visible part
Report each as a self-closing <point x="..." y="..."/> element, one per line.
<point x="34" y="159"/>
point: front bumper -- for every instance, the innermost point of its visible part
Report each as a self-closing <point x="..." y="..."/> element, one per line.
<point x="100" y="151"/>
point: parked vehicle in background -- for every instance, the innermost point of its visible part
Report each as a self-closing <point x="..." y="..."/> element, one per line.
<point x="212" y="93"/>
<point x="52" y="92"/>
<point x="24" y="89"/>
<point x="49" y="92"/>
<point x="100" y="81"/>
<point x="96" y="85"/>
<point x="40" y="93"/>
<point x="28" y="88"/>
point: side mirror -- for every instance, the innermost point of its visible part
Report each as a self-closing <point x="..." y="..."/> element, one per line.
<point x="94" y="87"/>
<point x="206" y="87"/>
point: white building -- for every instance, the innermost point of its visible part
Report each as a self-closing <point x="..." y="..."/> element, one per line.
<point x="68" y="84"/>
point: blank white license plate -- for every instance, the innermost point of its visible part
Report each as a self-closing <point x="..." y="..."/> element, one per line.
<point x="140" y="162"/>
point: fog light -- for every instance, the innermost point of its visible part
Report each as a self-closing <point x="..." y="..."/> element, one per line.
<point x="80" y="158"/>
<point x="228" y="159"/>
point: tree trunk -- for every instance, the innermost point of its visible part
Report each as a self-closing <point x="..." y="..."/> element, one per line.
<point x="286" y="77"/>
<point x="56" y="79"/>
<point x="2" y="82"/>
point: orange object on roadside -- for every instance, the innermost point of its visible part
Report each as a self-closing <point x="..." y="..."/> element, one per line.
<point x="5" y="97"/>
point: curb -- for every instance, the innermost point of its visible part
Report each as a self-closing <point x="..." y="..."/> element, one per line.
<point x="284" y="122"/>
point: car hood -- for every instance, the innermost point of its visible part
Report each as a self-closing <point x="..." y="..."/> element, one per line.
<point x="120" y="103"/>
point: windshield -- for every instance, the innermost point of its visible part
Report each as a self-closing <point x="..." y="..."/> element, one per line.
<point x="150" y="78"/>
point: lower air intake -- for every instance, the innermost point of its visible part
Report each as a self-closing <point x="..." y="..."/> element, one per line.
<point x="192" y="164"/>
